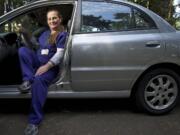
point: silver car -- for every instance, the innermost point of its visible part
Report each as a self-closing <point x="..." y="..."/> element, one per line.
<point x="115" y="49"/>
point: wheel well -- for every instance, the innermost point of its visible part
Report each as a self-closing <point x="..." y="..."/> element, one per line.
<point x="172" y="66"/>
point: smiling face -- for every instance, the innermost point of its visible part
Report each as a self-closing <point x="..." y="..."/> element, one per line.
<point x="53" y="20"/>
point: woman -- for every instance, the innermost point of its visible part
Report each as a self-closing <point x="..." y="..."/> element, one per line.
<point x="40" y="68"/>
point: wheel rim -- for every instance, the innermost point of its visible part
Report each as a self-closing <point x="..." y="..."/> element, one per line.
<point x="161" y="92"/>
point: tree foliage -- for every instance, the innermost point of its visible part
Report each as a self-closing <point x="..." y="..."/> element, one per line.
<point x="7" y="5"/>
<point x="163" y="8"/>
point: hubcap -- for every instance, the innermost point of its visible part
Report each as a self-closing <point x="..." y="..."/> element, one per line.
<point x="161" y="92"/>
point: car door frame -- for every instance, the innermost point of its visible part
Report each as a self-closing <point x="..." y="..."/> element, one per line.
<point x="35" y="5"/>
<point x="160" y="29"/>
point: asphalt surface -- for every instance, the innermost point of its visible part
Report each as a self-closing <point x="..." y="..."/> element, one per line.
<point x="87" y="117"/>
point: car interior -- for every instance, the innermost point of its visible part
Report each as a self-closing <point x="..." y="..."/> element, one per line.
<point x="10" y="40"/>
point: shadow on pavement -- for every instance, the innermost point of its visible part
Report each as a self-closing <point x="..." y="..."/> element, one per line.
<point x="72" y="105"/>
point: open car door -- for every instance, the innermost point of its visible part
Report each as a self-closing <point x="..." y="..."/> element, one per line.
<point x="32" y="17"/>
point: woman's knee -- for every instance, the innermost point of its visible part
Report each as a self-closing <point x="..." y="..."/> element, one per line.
<point x="39" y="80"/>
<point x="23" y="51"/>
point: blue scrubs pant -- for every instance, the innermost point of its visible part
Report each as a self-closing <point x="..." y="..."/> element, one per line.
<point x="29" y="64"/>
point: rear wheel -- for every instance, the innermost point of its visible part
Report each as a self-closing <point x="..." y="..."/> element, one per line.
<point x="158" y="91"/>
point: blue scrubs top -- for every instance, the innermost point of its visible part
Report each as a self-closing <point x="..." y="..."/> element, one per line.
<point x="44" y="44"/>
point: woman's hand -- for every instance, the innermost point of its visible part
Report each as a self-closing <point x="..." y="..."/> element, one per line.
<point x="41" y="70"/>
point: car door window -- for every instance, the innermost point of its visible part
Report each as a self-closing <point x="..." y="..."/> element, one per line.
<point x="104" y="16"/>
<point x="142" y="20"/>
<point x="36" y="18"/>
<point x="30" y="21"/>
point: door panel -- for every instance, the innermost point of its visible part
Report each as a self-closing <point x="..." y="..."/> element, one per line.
<point x="110" y="61"/>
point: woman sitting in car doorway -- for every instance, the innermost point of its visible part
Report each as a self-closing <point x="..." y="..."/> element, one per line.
<point x="41" y="67"/>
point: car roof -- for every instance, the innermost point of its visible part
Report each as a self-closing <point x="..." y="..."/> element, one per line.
<point x="162" y="24"/>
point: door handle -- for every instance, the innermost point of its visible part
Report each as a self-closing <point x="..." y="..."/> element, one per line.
<point x="155" y="44"/>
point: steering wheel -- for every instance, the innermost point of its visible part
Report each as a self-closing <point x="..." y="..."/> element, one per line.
<point x="3" y="42"/>
<point x="3" y="45"/>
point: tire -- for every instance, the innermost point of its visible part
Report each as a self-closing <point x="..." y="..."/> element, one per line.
<point x="158" y="91"/>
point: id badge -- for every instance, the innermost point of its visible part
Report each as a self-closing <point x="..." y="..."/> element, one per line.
<point x="44" y="51"/>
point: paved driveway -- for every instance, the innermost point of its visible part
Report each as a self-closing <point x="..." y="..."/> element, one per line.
<point x="88" y="117"/>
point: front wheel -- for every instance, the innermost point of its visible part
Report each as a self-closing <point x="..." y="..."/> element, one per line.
<point x="158" y="91"/>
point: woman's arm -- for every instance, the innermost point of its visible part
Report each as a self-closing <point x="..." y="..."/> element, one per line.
<point x="57" y="57"/>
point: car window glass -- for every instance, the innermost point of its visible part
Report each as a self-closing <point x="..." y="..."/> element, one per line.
<point x="104" y="16"/>
<point x="35" y="19"/>
<point x="28" y="21"/>
<point x="143" y="21"/>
